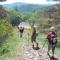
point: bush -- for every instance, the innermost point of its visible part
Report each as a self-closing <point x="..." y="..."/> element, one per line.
<point x="5" y="27"/>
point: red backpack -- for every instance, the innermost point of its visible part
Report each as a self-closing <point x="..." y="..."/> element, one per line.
<point x="52" y="37"/>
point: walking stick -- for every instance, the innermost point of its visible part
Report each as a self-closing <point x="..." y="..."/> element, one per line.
<point x="28" y="39"/>
<point x="43" y="45"/>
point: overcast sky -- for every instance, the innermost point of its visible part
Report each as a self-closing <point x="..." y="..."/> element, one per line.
<point x="29" y="1"/>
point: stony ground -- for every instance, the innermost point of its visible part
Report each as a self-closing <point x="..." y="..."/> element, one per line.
<point x="28" y="53"/>
<point x="31" y="54"/>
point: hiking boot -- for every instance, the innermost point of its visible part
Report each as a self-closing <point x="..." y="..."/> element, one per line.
<point x="52" y="57"/>
<point x="37" y="45"/>
<point x="48" y="54"/>
<point x="36" y="48"/>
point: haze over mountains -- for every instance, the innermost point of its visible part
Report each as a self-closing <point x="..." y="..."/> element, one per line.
<point x="25" y="6"/>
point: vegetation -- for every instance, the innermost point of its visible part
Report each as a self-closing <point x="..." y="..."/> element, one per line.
<point x="9" y="19"/>
<point x="8" y="47"/>
<point x="5" y="27"/>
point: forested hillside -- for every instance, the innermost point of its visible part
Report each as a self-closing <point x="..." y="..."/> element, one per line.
<point x="53" y="13"/>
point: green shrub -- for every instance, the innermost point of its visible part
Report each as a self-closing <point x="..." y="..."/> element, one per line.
<point x="5" y="27"/>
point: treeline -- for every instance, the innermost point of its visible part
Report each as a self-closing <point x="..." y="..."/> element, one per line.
<point x="11" y="18"/>
<point x="27" y="16"/>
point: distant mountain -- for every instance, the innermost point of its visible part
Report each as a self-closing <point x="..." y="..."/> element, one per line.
<point x="24" y="6"/>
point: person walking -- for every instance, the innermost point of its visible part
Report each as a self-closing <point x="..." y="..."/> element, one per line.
<point x="21" y="30"/>
<point x="33" y="39"/>
<point x="52" y="40"/>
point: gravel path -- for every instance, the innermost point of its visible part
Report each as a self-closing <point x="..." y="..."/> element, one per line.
<point x="31" y="54"/>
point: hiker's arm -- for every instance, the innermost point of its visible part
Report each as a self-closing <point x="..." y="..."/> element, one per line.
<point x="48" y="36"/>
<point x="36" y="34"/>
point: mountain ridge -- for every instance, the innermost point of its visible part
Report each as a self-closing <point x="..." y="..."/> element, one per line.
<point x="25" y="6"/>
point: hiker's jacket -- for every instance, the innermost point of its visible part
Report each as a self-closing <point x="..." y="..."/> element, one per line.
<point x="51" y="36"/>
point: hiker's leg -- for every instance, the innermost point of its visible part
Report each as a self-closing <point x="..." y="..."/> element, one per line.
<point x="32" y="43"/>
<point x="20" y="34"/>
<point x="35" y="43"/>
<point x="49" y="46"/>
<point x="53" y="50"/>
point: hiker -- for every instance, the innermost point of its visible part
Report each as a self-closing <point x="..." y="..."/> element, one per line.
<point x="33" y="38"/>
<point x="52" y="40"/>
<point x="21" y="30"/>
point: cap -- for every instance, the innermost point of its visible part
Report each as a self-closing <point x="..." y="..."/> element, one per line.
<point x="52" y="28"/>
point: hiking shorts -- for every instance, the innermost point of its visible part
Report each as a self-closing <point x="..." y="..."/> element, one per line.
<point x="51" y="46"/>
<point x="33" y="39"/>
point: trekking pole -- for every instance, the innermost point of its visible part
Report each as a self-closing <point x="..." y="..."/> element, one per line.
<point x="42" y="48"/>
<point x="43" y="45"/>
<point x="28" y="39"/>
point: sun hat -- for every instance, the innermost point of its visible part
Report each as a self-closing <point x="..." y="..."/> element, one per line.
<point x="52" y="28"/>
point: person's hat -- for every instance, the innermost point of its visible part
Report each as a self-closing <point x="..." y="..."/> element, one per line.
<point x="52" y="28"/>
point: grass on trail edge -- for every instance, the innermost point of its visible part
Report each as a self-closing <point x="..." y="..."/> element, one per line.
<point x="8" y="47"/>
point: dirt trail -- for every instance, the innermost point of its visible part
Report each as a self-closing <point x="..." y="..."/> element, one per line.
<point x="30" y="54"/>
<point x="26" y="52"/>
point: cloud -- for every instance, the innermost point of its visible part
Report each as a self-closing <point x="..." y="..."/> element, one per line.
<point x="29" y="1"/>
